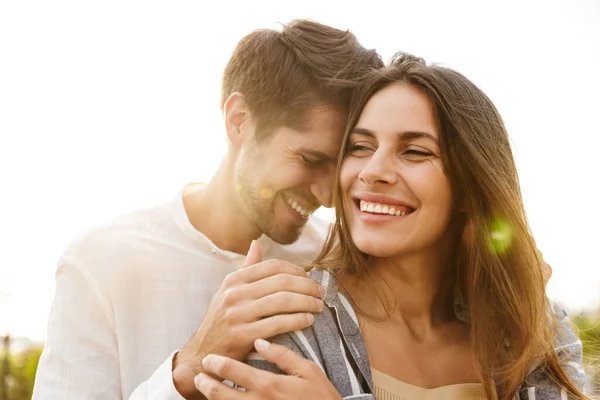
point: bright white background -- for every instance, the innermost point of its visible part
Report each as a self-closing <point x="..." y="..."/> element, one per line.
<point x="110" y="106"/>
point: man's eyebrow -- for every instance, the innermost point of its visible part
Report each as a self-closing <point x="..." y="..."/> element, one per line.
<point x="318" y="155"/>
<point x="406" y="135"/>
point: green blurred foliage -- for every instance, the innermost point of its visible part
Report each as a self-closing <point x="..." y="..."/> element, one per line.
<point x="588" y="330"/>
<point x="21" y="368"/>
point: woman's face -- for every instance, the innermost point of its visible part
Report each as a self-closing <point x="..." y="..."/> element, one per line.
<point x="397" y="197"/>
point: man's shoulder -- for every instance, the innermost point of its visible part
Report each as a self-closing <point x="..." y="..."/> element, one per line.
<point x="119" y="240"/>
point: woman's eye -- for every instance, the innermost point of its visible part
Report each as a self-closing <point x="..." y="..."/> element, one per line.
<point x="358" y="148"/>
<point x="417" y="153"/>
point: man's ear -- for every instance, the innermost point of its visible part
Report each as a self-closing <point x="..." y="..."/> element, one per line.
<point x="236" y="115"/>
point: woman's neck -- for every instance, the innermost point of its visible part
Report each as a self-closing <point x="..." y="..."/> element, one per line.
<point x="416" y="290"/>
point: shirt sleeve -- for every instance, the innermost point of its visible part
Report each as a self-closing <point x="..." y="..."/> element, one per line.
<point x="160" y="386"/>
<point x="568" y="348"/>
<point x="80" y="358"/>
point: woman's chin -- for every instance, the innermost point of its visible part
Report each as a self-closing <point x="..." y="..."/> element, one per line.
<point x="378" y="250"/>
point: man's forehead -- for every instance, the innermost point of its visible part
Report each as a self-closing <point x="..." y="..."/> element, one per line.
<point x="325" y="115"/>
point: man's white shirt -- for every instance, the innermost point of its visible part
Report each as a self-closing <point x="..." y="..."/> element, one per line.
<point x="132" y="292"/>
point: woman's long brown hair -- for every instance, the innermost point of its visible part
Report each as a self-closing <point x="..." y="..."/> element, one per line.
<point x="499" y="270"/>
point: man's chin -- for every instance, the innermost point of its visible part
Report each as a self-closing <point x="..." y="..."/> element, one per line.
<point x="287" y="236"/>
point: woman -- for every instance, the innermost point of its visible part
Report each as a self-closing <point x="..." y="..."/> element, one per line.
<point x="434" y="285"/>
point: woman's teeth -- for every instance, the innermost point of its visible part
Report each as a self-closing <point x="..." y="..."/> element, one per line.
<point x="377" y="208"/>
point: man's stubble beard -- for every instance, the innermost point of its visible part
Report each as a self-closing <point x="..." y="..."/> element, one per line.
<point x="260" y="209"/>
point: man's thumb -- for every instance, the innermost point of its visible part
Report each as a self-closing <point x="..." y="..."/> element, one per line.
<point x="254" y="254"/>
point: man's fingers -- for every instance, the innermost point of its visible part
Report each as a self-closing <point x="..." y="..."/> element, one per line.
<point x="254" y="255"/>
<point x="279" y="324"/>
<point x="235" y="371"/>
<point x="283" y="303"/>
<point x="289" y="362"/>
<point x="212" y="389"/>
<point x="284" y="283"/>
<point x="264" y="269"/>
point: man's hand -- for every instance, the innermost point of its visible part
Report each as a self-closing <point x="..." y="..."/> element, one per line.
<point x="304" y="379"/>
<point x="261" y="299"/>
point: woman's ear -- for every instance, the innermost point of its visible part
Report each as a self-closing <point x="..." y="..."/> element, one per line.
<point x="236" y="114"/>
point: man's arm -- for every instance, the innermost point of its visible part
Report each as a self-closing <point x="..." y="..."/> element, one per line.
<point x="80" y="359"/>
<point x="262" y="299"/>
<point x="160" y="386"/>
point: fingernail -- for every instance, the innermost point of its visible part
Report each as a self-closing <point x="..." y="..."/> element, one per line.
<point x="310" y="318"/>
<point x="205" y="361"/>
<point x="322" y="291"/>
<point x="261" y="344"/>
<point x="198" y="379"/>
<point x="320" y="304"/>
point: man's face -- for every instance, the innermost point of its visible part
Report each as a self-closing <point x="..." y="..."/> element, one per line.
<point x="283" y="178"/>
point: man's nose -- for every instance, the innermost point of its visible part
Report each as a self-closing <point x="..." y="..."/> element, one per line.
<point x="322" y="188"/>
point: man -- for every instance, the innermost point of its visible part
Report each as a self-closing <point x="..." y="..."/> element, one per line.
<point x="131" y="294"/>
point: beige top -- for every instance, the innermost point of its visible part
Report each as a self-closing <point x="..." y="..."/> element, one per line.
<point x="389" y="388"/>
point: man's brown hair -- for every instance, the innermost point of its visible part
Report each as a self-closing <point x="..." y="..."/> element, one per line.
<point x="284" y="74"/>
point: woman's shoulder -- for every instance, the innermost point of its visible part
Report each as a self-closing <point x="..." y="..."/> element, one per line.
<point x="326" y="278"/>
<point x="256" y="360"/>
<point x="302" y="342"/>
<point x="321" y="275"/>
<point x="569" y="351"/>
<point x="322" y="336"/>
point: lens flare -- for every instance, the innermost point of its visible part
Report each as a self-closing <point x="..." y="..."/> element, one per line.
<point x="500" y="235"/>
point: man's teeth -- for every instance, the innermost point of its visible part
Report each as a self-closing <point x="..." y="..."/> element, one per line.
<point x="299" y="209"/>
<point x="377" y="208"/>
